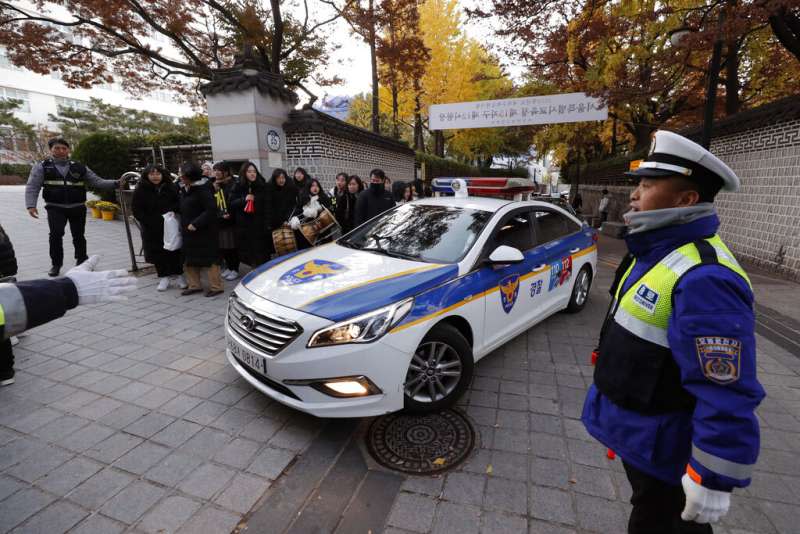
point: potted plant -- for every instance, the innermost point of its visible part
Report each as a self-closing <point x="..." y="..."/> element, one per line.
<point x="107" y="209"/>
<point x="92" y="205"/>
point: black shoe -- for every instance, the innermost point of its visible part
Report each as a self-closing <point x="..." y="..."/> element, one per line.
<point x="214" y="293"/>
<point x="190" y="291"/>
<point x="6" y="377"/>
<point x="54" y="270"/>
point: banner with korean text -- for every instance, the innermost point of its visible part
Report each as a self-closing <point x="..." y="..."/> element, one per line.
<point x="547" y="109"/>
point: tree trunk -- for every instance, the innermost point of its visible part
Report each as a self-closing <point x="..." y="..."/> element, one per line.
<point x="786" y="27"/>
<point x="419" y="140"/>
<point x="373" y="58"/>
<point x="641" y="135"/>
<point x="395" y="109"/>
<point x="438" y="143"/>
<point x="732" y="86"/>
<point x="277" y="39"/>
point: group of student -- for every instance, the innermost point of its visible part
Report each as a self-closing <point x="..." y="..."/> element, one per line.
<point x="227" y="220"/>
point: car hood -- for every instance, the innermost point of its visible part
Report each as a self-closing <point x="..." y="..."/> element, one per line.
<point x="337" y="283"/>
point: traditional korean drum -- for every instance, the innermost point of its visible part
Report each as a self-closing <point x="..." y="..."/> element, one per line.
<point x="322" y="228"/>
<point x="284" y="240"/>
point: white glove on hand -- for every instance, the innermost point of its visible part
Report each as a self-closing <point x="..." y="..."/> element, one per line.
<point x="294" y="222"/>
<point x="102" y="286"/>
<point x="703" y="505"/>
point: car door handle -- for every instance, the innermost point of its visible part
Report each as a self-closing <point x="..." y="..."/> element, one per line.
<point x="574" y="250"/>
<point x="539" y="267"/>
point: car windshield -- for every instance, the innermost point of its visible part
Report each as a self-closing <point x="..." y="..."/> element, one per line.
<point x="435" y="234"/>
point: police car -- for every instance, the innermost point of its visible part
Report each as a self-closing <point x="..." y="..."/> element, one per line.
<point x="395" y="314"/>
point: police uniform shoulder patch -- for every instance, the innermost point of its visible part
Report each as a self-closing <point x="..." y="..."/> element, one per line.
<point x="720" y="358"/>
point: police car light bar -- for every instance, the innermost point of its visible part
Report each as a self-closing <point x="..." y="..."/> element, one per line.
<point x="486" y="186"/>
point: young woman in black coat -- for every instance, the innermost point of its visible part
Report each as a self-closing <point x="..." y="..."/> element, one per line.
<point x="154" y="196"/>
<point x="346" y="205"/>
<point x="282" y="195"/>
<point x="200" y="232"/>
<point x="251" y="212"/>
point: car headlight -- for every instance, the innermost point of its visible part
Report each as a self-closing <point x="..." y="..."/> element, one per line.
<point x="364" y="328"/>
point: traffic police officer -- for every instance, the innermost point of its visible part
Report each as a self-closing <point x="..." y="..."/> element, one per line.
<point x="675" y="387"/>
<point x="24" y="305"/>
<point x="65" y="182"/>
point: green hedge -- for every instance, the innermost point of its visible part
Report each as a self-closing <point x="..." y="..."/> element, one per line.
<point x="15" y="169"/>
<point x="106" y="155"/>
<point x="437" y="166"/>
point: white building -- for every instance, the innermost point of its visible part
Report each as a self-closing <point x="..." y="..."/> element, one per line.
<point x="43" y="95"/>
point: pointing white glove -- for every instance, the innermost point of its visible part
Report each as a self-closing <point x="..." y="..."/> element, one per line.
<point x="703" y="505"/>
<point x="294" y="222"/>
<point x="102" y="286"/>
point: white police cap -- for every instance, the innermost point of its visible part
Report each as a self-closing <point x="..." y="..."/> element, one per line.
<point x="672" y="154"/>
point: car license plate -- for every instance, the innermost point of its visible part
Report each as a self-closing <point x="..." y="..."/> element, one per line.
<point x="247" y="357"/>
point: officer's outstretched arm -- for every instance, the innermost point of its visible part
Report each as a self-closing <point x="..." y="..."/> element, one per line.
<point x="24" y="305"/>
<point x="711" y="334"/>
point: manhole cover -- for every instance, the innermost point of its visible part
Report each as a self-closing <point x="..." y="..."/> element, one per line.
<point x="420" y="443"/>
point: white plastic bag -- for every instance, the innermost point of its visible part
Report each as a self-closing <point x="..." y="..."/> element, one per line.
<point x="172" y="231"/>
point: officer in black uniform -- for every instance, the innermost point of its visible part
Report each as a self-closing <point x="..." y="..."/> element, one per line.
<point x="65" y="183"/>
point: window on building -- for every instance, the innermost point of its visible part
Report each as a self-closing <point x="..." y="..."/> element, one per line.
<point x="71" y="103"/>
<point x="7" y="93"/>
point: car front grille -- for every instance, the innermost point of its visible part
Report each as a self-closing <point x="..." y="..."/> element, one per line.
<point x="267" y="333"/>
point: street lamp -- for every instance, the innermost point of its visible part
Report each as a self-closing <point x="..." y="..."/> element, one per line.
<point x="675" y="38"/>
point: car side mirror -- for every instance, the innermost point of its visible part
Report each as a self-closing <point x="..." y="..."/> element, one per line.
<point x="505" y="255"/>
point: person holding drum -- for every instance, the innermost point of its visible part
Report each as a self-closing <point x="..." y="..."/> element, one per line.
<point x="251" y="209"/>
<point x="282" y="195"/>
<point x="310" y="205"/>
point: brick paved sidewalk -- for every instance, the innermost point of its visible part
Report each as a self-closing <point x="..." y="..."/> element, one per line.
<point x="125" y="417"/>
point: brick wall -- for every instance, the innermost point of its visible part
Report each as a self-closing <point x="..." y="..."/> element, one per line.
<point x="324" y="155"/>
<point x="761" y="222"/>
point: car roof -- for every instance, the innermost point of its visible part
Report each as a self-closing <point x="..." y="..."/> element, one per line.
<point x="480" y="203"/>
<point x="476" y="203"/>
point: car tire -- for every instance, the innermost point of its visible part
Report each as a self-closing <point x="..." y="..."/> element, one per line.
<point x="446" y="350"/>
<point x="580" y="290"/>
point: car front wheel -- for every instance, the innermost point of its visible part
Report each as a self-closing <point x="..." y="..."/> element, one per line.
<point x="439" y="372"/>
<point x="580" y="291"/>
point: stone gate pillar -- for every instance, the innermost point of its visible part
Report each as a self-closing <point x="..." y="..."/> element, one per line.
<point x="247" y="106"/>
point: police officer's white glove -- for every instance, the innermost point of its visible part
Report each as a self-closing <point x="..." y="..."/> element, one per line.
<point x="294" y="222"/>
<point x="101" y="286"/>
<point x="703" y="505"/>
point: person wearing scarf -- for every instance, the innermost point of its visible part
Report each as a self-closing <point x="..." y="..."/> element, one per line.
<point x="675" y="384"/>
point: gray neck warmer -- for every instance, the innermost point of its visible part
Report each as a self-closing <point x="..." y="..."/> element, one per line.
<point x="643" y="221"/>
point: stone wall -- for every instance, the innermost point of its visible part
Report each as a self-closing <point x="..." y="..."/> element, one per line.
<point x="761" y="222"/>
<point x="326" y="146"/>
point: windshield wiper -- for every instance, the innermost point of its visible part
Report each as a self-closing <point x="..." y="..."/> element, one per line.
<point x="391" y="253"/>
<point x="347" y="243"/>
